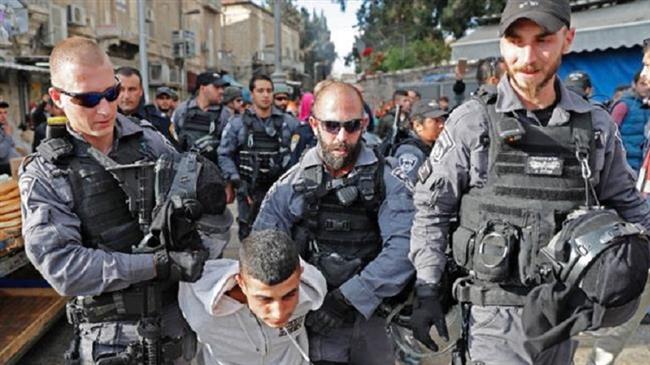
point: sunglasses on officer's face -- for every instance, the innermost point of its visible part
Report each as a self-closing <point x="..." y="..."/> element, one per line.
<point x="281" y="98"/>
<point x="91" y="99"/>
<point x="333" y="126"/>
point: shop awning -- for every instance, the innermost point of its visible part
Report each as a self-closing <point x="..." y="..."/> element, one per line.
<point x="17" y="66"/>
<point x="621" y="25"/>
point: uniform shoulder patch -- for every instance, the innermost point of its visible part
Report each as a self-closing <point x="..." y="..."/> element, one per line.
<point x="424" y="171"/>
<point x="443" y="145"/>
<point x="407" y="162"/>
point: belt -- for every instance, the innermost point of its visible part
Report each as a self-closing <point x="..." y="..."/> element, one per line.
<point x="130" y="304"/>
<point x="468" y="290"/>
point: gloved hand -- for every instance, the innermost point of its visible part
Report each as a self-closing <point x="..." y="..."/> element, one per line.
<point x="175" y="223"/>
<point x="180" y="265"/>
<point x="334" y="313"/>
<point x="427" y="311"/>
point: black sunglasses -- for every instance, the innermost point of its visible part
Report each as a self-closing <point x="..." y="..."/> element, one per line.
<point x="90" y="100"/>
<point x="281" y="98"/>
<point x="333" y="126"/>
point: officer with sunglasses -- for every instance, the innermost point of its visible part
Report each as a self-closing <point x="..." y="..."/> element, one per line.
<point x="350" y="211"/>
<point x="79" y="231"/>
<point x="281" y="96"/>
<point x="255" y="151"/>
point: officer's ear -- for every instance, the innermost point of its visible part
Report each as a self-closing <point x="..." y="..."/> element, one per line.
<point x="313" y="123"/>
<point x="55" y="95"/>
<point x="568" y="40"/>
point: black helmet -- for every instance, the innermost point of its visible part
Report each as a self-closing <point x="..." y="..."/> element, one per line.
<point x="596" y="268"/>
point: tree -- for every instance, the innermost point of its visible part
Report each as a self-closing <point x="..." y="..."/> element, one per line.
<point x="317" y="48"/>
<point x="410" y="33"/>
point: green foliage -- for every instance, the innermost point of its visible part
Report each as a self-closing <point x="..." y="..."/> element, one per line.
<point x="410" y="33"/>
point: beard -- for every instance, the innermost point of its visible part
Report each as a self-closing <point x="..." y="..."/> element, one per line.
<point x="337" y="162"/>
<point x="532" y="88"/>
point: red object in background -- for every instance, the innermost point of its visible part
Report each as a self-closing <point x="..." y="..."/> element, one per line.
<point x="366" y="52"/>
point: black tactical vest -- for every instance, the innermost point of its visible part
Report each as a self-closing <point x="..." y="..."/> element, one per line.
<point x="99" y="202"/>
<point x="261" y="156"/>
<point x="196" y="124"/>
<point x="532" y="185"/>
<point x="340" y="217"/>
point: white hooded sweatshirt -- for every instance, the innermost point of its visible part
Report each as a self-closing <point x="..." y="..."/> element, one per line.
<point x="230" y="334"/>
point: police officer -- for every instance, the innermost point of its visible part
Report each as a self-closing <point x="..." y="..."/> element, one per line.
<point x="254" y="151"/>
<point x="202" y="114"/>
<point x="164" y="102"/>
<point x="79" y="231"/>
<point x="385" y="126"/>
<point x="428" y="122"/>
<point x="502" y="170"/>
<point x="232" y="102"/>
<point x="281" y="95"/>
<point x="350" y="212"/>
<point x="131" y="102"/>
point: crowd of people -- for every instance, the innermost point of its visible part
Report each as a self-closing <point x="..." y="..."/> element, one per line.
<point x="366" y="238"/>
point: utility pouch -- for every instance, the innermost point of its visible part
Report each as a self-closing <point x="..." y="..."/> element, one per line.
<point x="462" y="243"/>
<point x="528" y="257"/>
<point x="335" y="268"/>
<point x="494" y="250"/>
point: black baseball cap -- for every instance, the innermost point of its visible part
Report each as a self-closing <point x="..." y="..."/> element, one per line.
<point x="164" y="90"/>
<point x="425" y="110"/>
<point x="206" y="78"/>
<point x="4" y="104"/>
<point x="578" y="81"/>
<point x="552" y="15"/>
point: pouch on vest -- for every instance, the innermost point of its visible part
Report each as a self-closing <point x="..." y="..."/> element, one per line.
<point x="335" y="268"/>
<point x="494" y="249"/>
<point x="463" y="246"/>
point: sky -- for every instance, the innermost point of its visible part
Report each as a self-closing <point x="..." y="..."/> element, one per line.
<point x="341" y="26"/>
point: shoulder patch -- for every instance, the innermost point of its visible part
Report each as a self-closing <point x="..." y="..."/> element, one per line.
<point x="402" y="176"/>
<point x="407" y="162"/>
<point x="443" y="145"/>
<point x="26" y="184"/>
<point x="424" y="171"/>
<point x="294" y="141"/>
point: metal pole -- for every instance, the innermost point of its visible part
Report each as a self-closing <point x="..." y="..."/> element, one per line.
<point x="278" y="75"/>
<point x="144" y="64"/>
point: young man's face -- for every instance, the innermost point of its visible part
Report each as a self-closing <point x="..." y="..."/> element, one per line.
<point x="273" y="304"/>
<point x="404" y="102"/>
<point x="532" y="55"/>
<point x="3" y="115"/>
<point x="645" y="73"/>
<point x="262" y="94"/>
<point x="642" y="87"/>
<point x="97" y="121"/>
<point x="164" y="102"/>
<point x="131" y="93"/>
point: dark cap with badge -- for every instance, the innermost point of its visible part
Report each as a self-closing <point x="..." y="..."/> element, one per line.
<point x="577" y="82"/>
<point x="424" y="110"/>
<point x="4" y="104"/>
<point x="164" y="90"/>
<point x="552" y="15"/>
<point x="206" y="78"/>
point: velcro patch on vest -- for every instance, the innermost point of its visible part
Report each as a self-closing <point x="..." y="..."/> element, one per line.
<point x="443" y="145"/>
<point x="407" y="162"/>
<point x="544" y="165"/>
<point x="424" y="171"/>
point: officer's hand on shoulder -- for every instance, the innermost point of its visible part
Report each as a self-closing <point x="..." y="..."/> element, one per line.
<point x="427" y="312"/>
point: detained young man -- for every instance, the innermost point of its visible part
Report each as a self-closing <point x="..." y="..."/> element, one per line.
<point x="252" y="311"/>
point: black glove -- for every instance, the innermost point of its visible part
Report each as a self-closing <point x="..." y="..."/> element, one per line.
<point x="175" y="224"/>
<point x="180" y="265"/>
<point x="427" y="311"/>
<point x="334" y="313"/>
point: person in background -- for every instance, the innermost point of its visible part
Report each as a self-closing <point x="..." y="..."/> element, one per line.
<point x="631" y="115"/>
<point x="164" y="101"/>
<point x="443" y="103"/>
<point x="45" y="109"/>
<point x="281" y="96"/>
<point x="415" y="96"/>
<point x="7" y="145"/>
<point x="385" y="127"/>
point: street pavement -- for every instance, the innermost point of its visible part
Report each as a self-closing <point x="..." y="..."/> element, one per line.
<point x="50" y="348"/>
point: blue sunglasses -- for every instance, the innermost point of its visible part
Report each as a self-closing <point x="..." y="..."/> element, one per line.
<point x="91" y="99"/>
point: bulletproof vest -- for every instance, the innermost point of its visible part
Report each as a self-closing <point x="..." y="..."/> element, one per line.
<point x="532" y="184"/>
<point x="198" y="123"/>
<point x="425" y="148"/>
<point x="261" y="156"/>
<point x="339" y="230"/>
<point x="99" y="202"/>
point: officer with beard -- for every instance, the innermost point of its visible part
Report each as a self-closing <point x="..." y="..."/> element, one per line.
<point x="201" y="114"/>
<point x="164" y="101"/>
<point x="501" y="174"/>
<point x="255" y="151"/>
<point x="350" y="211"/>
<point x="131" y="102"/>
